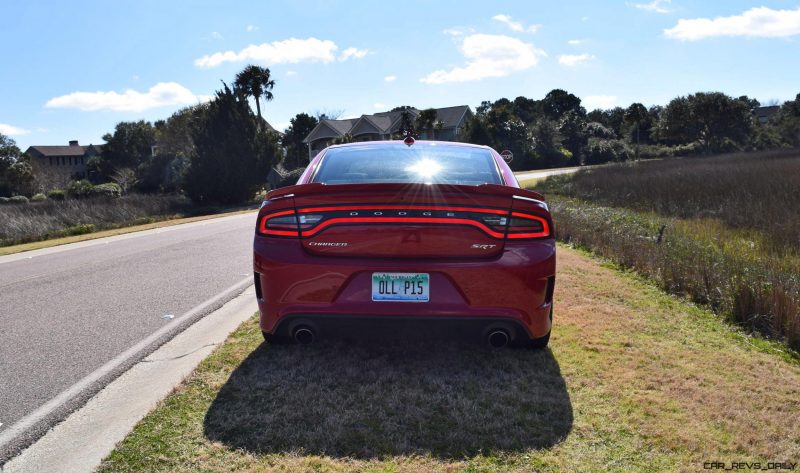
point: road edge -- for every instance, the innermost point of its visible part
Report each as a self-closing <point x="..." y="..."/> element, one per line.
<point x="35" y="425"/>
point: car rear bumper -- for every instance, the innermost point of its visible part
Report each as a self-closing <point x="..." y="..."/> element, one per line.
<point x="513" y="289"/>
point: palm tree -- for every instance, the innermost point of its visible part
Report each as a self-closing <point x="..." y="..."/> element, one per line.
<point x="255" y="81"/>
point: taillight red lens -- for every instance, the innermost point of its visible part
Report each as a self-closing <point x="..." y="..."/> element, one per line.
<point x="283" y="223"/>
<point x="524" y="225"/>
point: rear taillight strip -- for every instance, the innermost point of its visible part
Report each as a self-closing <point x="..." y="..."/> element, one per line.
<point x="445" y="221"/>
<point x="403" y="207"/>
<point x="263" y="224"/>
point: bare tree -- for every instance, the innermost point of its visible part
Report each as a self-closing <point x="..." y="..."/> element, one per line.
<point x="327" y="114"/>
<point x="46" y="178"/>
<point x="126" y="178"/>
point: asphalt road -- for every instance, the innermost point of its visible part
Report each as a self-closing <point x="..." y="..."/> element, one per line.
<point x="66" y="311"/>
<point x="545" y="173"/>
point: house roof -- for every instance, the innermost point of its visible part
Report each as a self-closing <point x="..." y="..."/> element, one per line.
<point x="270" y="127"/>
<point x="330" y="129"/>
<point x="452" y="116"/>
<point x="341" y="126"/>
<point x="767" y="111"/>
<point x="70" y="150"/>
<point x="383" y="122"/>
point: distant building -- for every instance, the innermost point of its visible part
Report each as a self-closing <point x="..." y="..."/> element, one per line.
<point x="763" y="114"/>
<point x="382" y="126"/>
<point x="62" y="163"/>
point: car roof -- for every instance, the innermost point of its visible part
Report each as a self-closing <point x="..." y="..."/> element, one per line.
<point x="396" y="143"/>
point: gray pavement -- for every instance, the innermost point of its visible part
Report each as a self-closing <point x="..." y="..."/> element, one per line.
<point x="66" y="311"/>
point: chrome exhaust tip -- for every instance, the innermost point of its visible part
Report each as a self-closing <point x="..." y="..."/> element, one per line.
<point x="303" y="335"/>
<point x="498" y="338"/>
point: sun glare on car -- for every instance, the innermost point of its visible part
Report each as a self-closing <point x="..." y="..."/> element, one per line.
<point x="426" y="168"/>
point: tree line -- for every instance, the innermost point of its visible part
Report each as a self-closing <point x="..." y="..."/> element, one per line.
<point x="558" y="131"/>
<point x="221" y="151"/>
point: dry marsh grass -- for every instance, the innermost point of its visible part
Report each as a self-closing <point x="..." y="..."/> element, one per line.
<point x="24" y="223"/>
<point x="752" y="191"/>
<point x="634" y="380"/>
<point x="723" y="231"/>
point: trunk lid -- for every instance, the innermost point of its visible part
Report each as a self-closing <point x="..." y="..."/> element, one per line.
<point x="403" y="220"/>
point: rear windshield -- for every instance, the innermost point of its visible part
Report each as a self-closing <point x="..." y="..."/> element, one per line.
<point x="434" y="164"/>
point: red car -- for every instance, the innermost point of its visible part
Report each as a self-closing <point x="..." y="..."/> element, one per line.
<point x="400" y="232"/>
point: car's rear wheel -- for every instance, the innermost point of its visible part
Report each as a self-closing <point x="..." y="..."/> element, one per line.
<point x="273" y="339"/>
<point x="540" y="343"/>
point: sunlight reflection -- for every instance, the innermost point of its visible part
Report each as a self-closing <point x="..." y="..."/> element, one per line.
<point x="426" y="168"/>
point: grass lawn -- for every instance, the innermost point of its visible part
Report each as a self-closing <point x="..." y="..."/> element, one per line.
<point x="634" y="380"/>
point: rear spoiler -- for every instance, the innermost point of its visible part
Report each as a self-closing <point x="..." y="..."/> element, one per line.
<point x="485" y="189"/>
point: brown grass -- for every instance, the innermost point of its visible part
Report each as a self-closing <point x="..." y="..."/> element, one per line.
<point x="723" y="231"/>
<point x="754" y="191"/>
<point x="35" y="221"/>
<point x="634" y="381"/>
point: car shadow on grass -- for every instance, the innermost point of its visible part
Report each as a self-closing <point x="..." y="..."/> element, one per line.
<point x="448" y="399"/>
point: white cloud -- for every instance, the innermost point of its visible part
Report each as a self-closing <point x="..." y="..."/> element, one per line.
<point x="390" y="78"/>
<point x="575" y="42"/>
<point x="160" y="95"/>
<point x="354" y="53"/>
<point x="515" y="26"/>
<point x="592" y="102"/>
<point x="458" y="31"/>
<point x="379" y="106"/>
<point x="12" y="130"/>
<point x="216" y="35"/>
<point x="760" y="22"/>
<point x="657" y="6"/>
<point x="571" y="60"/>
<point x="488" y="56"/>
<point x="288" y="51"/>
<point x="251" y="28"/>
<point x="291" y="73"/>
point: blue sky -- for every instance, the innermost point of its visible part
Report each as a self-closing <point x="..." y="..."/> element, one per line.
<point x="72" y="70"/>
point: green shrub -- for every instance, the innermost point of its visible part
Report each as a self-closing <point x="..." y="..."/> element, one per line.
<point x="109" y="189"/>
<point x="80" y="188"/>
<point x="600" y="151"/>
<point x="19" y="199"/>
<point x="79" y="229"/>
<point x="56" y="194"/>
<point x="38" y="197"/>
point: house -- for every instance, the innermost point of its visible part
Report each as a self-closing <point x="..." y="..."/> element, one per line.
<point x="62" y="163"/>
<point x="763" y="114"/>
<point x="384" y="126"/>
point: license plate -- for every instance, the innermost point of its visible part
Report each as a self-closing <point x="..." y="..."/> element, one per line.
<point x="402" y="287"/>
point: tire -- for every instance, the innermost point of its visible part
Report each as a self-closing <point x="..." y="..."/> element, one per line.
<point x="539" y="343"/>
<point x="273" y="339"/>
